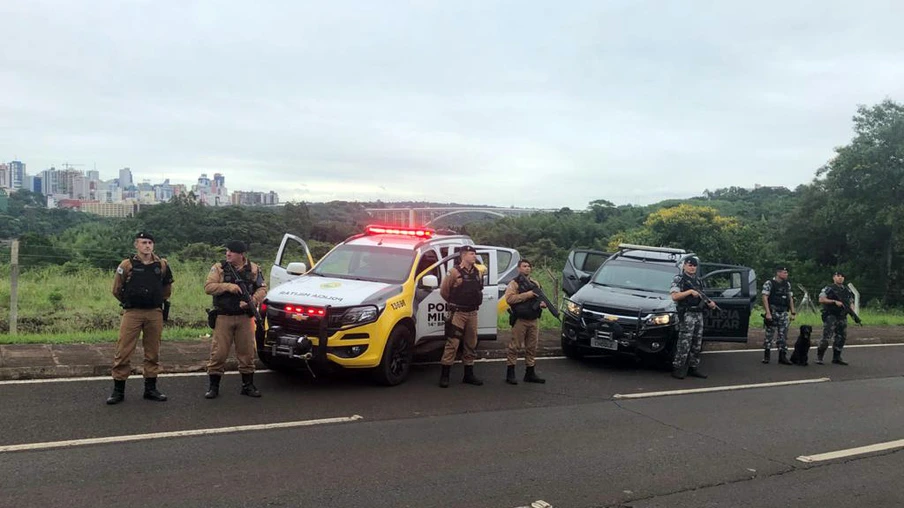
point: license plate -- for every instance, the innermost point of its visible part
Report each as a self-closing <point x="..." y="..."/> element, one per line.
<point x="604" y="343"/>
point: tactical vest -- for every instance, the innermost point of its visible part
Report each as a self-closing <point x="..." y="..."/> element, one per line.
<point x="780" y="296"/>
<point x="528" y="309"/>
<point x="230" y="303"/>
<point x="144" y="289"/>
<point x="691" y="302"/>
<point x="836" y="292"/>
<point x="468" y="295"/>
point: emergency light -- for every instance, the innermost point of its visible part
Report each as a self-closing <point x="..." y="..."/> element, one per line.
<point x="395" y="230"/>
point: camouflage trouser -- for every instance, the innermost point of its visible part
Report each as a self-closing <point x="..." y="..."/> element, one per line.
<point x="690" y="340"/>
<point x="833" y="325"/>
<point x="780" y="323"/>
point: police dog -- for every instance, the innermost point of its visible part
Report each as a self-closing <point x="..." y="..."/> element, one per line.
<point x="802" y="346"/>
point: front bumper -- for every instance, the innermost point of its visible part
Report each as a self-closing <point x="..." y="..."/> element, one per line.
<point x="612" y="337"/>
<point x="354" y="349"/>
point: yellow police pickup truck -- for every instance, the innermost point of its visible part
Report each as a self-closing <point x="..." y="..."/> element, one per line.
<point x="371" y="300"/>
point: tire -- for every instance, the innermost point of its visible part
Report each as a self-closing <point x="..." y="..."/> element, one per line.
<point x="570" y="351"/>
<point x="397" y="358"/>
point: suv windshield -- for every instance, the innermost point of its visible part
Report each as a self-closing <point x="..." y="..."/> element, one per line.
<point x="366" y="262"/>
<point x="652" y="277"/>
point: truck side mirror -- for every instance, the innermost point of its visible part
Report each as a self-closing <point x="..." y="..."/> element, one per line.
<point x="430" y="281"/>
<point x="296" y="269"/>
<point x="585" y="279"/>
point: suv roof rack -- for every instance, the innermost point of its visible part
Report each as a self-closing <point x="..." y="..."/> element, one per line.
<point x="669" y="250"/>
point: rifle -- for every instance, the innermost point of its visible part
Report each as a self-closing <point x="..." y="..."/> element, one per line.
<point x="848" y="310"/>
<point x="705" y="299"/>
<point x="542" y="296"/>
<point x="246" y="297"/>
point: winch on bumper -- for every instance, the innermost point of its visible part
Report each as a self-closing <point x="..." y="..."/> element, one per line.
<point x="609" y="331"/>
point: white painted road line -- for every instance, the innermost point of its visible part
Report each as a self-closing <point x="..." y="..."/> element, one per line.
<point x="108" y="378"/>
<point x="173" y="434"/>
<point x="850" y="452"/>
<point x="791" y="347"/>
<point x="644" y="395"/>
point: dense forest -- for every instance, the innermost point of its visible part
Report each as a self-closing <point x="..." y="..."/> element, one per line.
<point x="849" y="217"/>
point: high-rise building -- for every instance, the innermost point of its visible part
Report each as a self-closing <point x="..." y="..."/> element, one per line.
<point x="17" y="174"/>
<point x="93" y="175"/>
<point x="5" y="180"/>
<point x="125" y="178"/>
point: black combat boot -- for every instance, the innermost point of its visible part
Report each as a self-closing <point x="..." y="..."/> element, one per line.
<point x="836" y="358"/>
<point x="213" y="387"/>
<point x="766" y="354"/>
<point x="820" y="354"/>
<point x="470" y="378"/>
<point x="531" y="376"/>
<point x="783" y="358"/>
<point x="119" y="392"/>
<point x="510" y="375"/>
<point x="150" y="390"/>
<point x="680" y="372"/>
<point x="444" y="376"/>
<point x="695" y="372"/>
<point x="248" y="387"/>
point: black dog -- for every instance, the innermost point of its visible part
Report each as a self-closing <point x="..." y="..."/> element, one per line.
<point x="802" y="346"/>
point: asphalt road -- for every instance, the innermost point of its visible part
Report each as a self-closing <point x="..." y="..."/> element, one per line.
<point x="576" y="441"/>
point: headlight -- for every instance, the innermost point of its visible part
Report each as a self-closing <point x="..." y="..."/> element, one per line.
<point x="572" y="308"/>
<point x="359" y="315"/>
<point x="660" y="319"/>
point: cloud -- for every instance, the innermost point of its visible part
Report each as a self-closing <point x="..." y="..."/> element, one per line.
<point x="507" y="103"/>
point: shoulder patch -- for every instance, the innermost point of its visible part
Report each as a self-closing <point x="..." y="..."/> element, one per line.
<point x="119" y="270"/>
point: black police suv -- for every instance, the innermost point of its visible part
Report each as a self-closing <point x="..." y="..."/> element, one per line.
<point x="620" y="303"/>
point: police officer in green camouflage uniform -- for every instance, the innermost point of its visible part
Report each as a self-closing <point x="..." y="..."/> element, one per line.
<point x="778" y="301"/>
<point x="834" y="297"/>
<point x="689" y="302"/>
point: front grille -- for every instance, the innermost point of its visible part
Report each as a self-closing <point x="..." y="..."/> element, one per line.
<point x="595" y="316"/>
<point x="309" y="326"/>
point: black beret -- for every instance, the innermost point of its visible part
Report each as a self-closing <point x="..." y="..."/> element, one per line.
<point x="467" y="248"/>
<point x="838" y="272"/>
<point x="237" y="246"/>
<point x="781" y="268"/>
<point x="145" y="235"/>
<point x="693" y="261"/>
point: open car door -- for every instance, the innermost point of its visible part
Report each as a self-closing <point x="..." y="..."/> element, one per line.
<point x="731" y="288"/>
<point x="579" y="266"/>
<point x="292" y="250"/>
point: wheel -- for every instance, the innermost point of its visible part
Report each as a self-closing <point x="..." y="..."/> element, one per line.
<point x="397" y="357"/>
<point x="570" y="351"/>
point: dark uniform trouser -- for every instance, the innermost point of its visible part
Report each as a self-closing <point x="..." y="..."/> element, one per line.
<point x="526" y="335"/>
<point x="833" y="325"/>
<point x="149" y="324"/>
<point x="781" y="321"/>
<point x="232" y="329"/>
<point x="690" y="340"/>
<point x="464" y="331"/>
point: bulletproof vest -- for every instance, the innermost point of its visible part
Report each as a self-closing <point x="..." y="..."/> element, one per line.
<point x="836" y="292"/>
<point x="468" y="294"/>
<point x="230" y="303"/>
<point x="691" y="302"/>
<point x="780" y="296"/>
<point x="144" y="289"/>
<point x="528" y="309"/>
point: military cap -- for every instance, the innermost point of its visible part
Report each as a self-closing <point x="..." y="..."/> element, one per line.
<point x="838" y="272"/>
<point x="237" y="246"/>
<point x="781" y="268"/>
<point x="145" y="235"/>
<point x="693" y="261"/>
<point x="467" y="248"/>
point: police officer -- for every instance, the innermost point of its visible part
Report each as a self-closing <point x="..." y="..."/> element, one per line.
<point x="779" y="304"/>
<point x="526" y="308"/>
<point x="142" y="283"/>
<point x="689" y="301"/>
<point x="462" y="289"/>
<point x="834" y="298"/>
<point x="234" y="322"/>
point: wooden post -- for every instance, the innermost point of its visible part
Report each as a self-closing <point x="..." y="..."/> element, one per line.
<point x="14" y="288"/>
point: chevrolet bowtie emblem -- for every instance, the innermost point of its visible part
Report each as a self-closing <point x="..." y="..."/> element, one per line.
<point x="299" y="317"/>
<point x="610" y="318"/>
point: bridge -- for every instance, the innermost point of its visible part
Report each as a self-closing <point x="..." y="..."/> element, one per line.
<point x="429" y="216"/>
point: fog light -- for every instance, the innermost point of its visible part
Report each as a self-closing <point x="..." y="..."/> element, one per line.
<point x="356" y="350"/>
<point x="655" y="345"/>
<point x="570" y="333"/>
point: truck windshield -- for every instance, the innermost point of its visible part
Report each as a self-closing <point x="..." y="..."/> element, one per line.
<point x="366" y="262"/>
<point x="638" y="276"/>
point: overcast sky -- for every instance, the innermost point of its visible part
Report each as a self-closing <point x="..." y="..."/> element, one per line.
<point x="524" y="103"/>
